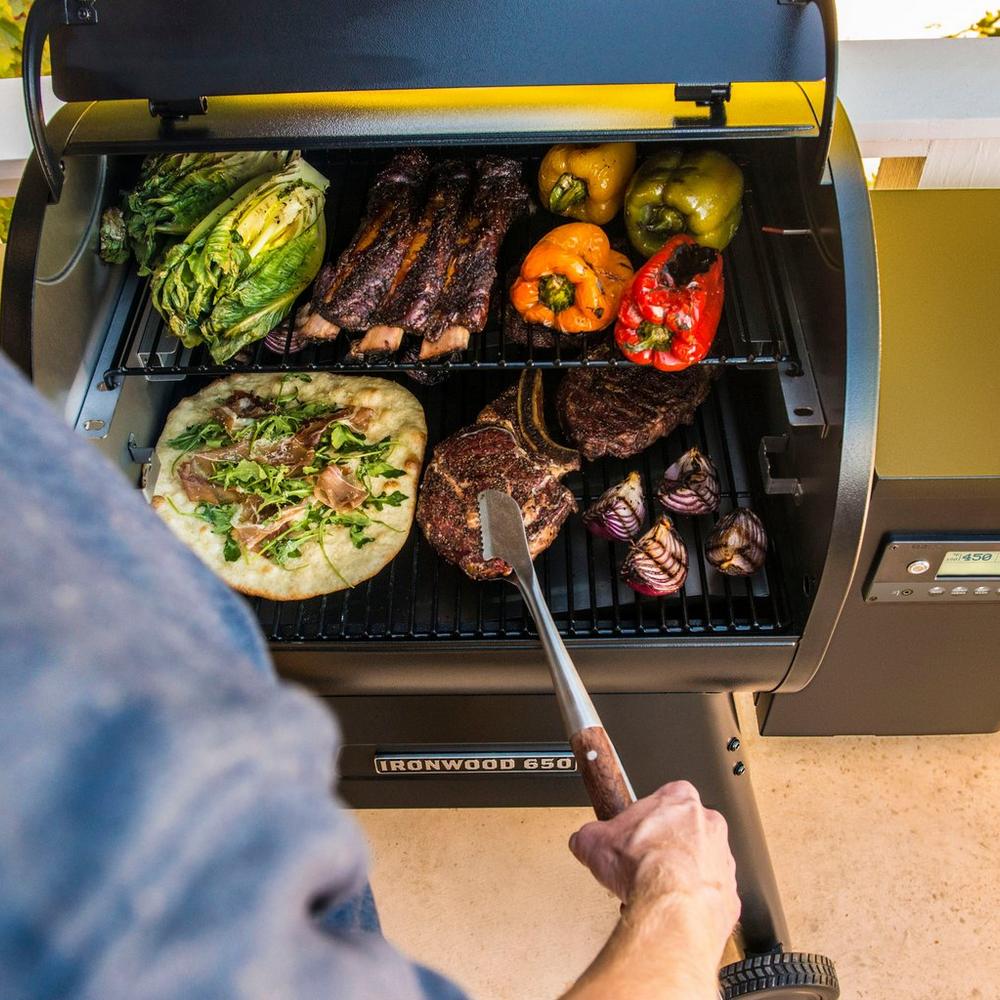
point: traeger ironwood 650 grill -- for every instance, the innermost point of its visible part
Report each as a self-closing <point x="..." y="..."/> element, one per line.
<point x="439" y="681"/>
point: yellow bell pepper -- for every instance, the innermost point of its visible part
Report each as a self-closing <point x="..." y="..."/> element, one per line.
<point x="586" y="182"/>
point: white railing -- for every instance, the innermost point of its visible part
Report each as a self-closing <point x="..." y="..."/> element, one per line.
<point x="933" y="98"/>
<point x="936" y="98"/>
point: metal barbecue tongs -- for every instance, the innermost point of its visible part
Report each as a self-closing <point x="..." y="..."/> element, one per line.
<point x="603" y="775"/>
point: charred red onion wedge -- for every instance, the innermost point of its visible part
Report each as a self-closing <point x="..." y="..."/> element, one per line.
<point x="737" y="545"/>
<point x="657" y="564"/>
<point x="617" y="514"/>
<point x="279" y="338"/>
<point x="690" y="485"/>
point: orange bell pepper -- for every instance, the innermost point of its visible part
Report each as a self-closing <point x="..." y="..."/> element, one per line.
<point x="571" y="280"/>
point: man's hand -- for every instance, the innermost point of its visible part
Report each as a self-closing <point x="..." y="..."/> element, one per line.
<point x="667" y="858"/>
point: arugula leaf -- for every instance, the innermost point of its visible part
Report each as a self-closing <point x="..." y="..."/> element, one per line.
<point x="201" y="437"/>
<point x="288" y="419"/>
<point x="380" y="500"/>
<point x="358" y="537"/>
<point x="271" y="483"/>
<point x="219" y="516"/>
<point x="382" y="468"/>
<point x="341" y="435"/>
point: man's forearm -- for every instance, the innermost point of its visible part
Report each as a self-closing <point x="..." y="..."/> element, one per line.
<point x="659" y="949"/>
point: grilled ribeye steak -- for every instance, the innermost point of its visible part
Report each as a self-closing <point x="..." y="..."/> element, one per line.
<point x="621" y="411"/>
<point x="507" y="449"/>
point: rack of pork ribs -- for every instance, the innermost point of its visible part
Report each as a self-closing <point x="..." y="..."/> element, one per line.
<point x="422" y="262"/>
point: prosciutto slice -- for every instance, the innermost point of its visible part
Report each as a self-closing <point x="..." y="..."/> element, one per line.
<point x="241" y="409"/>
<point x="252" y="536"/>
<point x="338" y="491"/>
<point x="193" y="474"/>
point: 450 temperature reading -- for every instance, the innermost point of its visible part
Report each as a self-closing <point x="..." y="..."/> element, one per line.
<point x="970" y="563"/>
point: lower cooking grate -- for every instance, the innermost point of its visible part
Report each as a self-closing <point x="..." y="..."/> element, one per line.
<point x="420" y="597"/>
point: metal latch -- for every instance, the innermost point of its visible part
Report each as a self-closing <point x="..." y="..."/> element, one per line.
<point x="776" y="444"/>
<point x="706" y="95"/>
<point x="178" y="111"/>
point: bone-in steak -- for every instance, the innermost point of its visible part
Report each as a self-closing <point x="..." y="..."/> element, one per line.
<point x="508" y="449"/>
<point x="621" y="411"/>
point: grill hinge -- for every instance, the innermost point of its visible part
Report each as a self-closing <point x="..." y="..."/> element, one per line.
<point x="178" y="111"/>
<point x="706" y="95"/>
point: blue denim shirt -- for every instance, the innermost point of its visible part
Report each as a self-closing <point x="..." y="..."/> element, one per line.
<point x="167" y="828"/>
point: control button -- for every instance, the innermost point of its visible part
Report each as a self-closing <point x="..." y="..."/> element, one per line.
<point x="936" y="590"/>
<point x="982" y="590"/>
<point x="918" y="566"/>
<point x="958" y="591"/>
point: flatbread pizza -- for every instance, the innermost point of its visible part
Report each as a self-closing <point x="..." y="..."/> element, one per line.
<point x="291" y="486"/>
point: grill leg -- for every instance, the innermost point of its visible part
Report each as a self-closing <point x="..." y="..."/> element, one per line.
<point x="697" y="738"/>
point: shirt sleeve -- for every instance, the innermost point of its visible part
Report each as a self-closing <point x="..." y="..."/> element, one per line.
<point x="167" y="827"/>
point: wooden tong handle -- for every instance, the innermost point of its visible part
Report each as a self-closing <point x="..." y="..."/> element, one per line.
<point x="610" y="793"/>
<point x="603" y="777"/>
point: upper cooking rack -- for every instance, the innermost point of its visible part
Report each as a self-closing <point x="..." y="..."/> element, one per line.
<point x="753" y="330"/>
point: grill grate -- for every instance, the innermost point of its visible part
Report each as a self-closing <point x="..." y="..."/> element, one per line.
<point x="752" y="331"/>
<point x="419" y="597"/>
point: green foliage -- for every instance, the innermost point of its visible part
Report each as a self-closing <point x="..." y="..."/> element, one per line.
<point x="6" y="207"/>
<point x="13" y="15"/>
<point x="988" y="26"/>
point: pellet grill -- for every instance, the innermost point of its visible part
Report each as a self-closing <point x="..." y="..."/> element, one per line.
<point x="439" y="682"/>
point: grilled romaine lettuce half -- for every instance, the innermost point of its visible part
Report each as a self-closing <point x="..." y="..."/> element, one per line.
<point x="174" y="193"/>
<point x="238" y="273"/>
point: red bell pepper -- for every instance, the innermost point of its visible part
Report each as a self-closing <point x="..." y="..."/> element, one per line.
<point x="669" y="314"/>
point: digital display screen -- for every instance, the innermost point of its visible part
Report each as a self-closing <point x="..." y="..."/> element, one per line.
<point x="968" y="563"/>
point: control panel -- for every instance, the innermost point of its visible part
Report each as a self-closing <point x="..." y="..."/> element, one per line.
<point x="941" y="570"/>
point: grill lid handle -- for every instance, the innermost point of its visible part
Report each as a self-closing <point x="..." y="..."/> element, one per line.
<point x="42" y="18"/>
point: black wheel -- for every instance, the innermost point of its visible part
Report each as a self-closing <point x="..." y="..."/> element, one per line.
<point x="788" y="974"/>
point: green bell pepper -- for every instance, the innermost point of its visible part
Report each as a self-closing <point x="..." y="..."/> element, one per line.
<point x="698" y="192"/>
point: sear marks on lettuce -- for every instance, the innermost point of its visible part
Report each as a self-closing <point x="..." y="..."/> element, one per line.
<point x="271" y="475"/>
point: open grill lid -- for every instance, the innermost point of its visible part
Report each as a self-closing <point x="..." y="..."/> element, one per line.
<point x="178" y="54"/>
<point x="175" y="50"/>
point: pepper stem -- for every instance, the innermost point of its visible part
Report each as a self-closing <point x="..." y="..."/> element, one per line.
<point x="653" y="337"/>
<point x="661" y="219"/>
<point x="569" y="190"/>
<point x="556" y="291"/>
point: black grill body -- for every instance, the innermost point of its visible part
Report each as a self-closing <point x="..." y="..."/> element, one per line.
<point x="420" y="662"/>
<point x="787" y="436"/>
